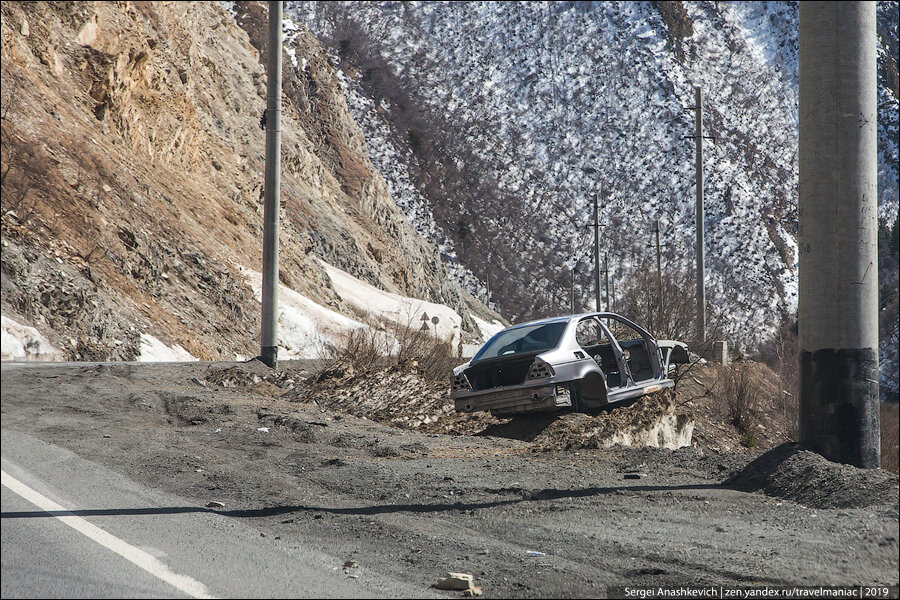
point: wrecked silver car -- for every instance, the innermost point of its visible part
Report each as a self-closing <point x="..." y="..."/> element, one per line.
<point x="578" y="362"/>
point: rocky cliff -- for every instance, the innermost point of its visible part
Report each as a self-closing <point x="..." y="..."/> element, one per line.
<point x="133" y="161"/>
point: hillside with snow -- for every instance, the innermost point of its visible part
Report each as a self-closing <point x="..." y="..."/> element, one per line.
<point x="132" y="161"/>
<point x="487" y="120"/>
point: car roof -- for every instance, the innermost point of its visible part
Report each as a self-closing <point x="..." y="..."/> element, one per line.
<point x="561" y="319"/>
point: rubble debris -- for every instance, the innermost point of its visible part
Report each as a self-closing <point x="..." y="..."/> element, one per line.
<point x="215" y="504"/>
<point x="655" y="421"/>
<point x="791" y="473"/>
<point x="456" y="581"/>
<point x="401" y="395"/>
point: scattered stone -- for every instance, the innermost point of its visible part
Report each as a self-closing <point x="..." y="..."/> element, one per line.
<point x="351" y="564"/>
<point x="472" y="591"/>
<point x="635" y="475"/>
<point x="215" y="504"/>
<point x="106" y="435"/>
<point x="455" y="581"/>
<point x="198" y="381"/>
<point x="535" y="553"/>
<point x="720" y="529"/>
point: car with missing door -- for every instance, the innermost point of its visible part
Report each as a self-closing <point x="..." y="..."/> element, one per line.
<point x="578" y="362"/>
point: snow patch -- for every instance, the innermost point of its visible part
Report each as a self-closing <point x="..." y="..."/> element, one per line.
<point x="667" y="432"/>
<point x="21" y="342"/>
<point x="441" y="320"/>
<point x="305" y="328"/>
<point x="154" y="350"/>
<point x="488" y="330"/>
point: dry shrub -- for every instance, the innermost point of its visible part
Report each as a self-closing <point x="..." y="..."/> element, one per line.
<point x="739" y="397"/>
<point x="665" y="304"/>
<point x="364" y="348"/>
<point x="385" y="344"/>
<point x="433" y="355"/>
<point x="782" y="354"/>
<point x="890" y="437"/>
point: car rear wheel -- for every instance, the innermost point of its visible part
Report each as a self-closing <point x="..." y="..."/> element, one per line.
<point x="592" y="394"/>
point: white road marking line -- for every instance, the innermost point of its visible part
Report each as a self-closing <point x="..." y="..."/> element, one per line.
<point x="149" y="563"/>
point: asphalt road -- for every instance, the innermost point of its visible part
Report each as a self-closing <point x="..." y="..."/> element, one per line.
<point x="85" y="531"/>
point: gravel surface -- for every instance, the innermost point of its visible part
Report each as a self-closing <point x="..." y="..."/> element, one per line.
<point x="525" y="519"/>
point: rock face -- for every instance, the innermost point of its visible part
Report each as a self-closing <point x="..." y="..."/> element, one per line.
<point x="133" y="171"/>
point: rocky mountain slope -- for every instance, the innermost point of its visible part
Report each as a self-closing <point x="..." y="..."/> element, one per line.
<point x="484" y="116"/>
<point x="132" y="165"/>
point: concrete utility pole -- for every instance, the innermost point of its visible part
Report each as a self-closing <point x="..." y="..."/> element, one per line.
<point x="596" y="227"/>
<point x="838" y="304"/>
<point x="269" y="342"/>
<point x="698" y="138"/>
<point x="606" y="277"/>
<point x="612" y="305"/>
<point x="659" y="286"/>
<point x="700" y="216"/>
<point x="574" y="275"/>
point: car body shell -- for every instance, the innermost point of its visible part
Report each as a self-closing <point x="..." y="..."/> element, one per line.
<point x="569" y="375"/>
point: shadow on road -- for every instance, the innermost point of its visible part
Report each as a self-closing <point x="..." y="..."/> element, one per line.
<point x="524" y="496"/>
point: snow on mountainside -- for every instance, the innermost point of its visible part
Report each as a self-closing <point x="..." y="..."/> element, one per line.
<point x="482" y="116"/>
<point x="132" y="163"/>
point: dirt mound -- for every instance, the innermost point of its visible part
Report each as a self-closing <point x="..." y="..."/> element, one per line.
<point x="398" y="395"/>
<point x="757" y="415"/>
<point x="654" y="421"/>
<point x="807" y="478"/>
<point x="402" y="396"/>
<point x="252" y="375"/>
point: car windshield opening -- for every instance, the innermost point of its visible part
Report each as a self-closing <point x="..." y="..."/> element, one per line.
<point x="520" y="340"/>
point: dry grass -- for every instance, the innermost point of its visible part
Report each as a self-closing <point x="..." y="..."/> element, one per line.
<point x="384" y="344"/>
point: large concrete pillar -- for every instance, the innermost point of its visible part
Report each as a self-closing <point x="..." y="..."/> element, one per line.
<point x="838" y="309"/>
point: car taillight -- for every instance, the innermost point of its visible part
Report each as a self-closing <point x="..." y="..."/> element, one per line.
<point x="459" y="382"/>
<point x="540" y="370"/>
